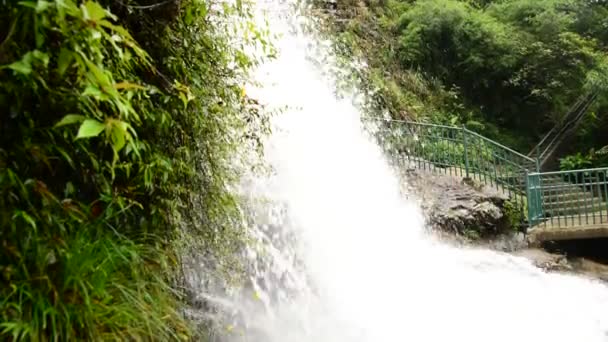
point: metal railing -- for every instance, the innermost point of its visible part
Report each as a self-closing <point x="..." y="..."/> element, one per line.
<point x="548" y="145"/>
<point x="551" y="199"/>
<point x="460" y="152"/>
<point x="568" y="198"/>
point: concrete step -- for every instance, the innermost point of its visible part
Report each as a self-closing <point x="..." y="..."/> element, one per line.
<point x="571" y="200"/>
<point x="573" y="210"/>
<point x="575" y="205"/>
<point x="563" y="187"/>
<point x="566" y="212"/>
<point x="568" y="196"/>
<point x="565" y="181"/>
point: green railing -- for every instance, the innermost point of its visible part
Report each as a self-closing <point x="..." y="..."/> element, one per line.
<point x="460" y="152"/>
<point x="551" y="199"/>
<point x="568" y="198"/>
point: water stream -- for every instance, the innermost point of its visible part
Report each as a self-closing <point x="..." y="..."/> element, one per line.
<point x="345" y="255"/>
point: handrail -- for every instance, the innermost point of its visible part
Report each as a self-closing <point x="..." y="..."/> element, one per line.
<point x="574" y="198"/>
<point x="542" y="196"/>
<point x="418" y="123"/>
<point x="565" y="127"/>
<point x="457" y="128"/>
<point x="536" y="147"/>
<point x="456" y="151"/>
<point x="500" y="145"/>
<point x="572" y="109"/>
<point x="545" y="149"/>
<point x="565" y="185"/>
<point x="549" y="173"/>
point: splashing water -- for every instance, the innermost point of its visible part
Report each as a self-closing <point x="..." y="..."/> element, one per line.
<point x="357" y="261"/>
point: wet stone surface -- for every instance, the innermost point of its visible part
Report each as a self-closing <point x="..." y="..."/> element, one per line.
<point x="461" y="213"/>
<point x="452" y="204"/>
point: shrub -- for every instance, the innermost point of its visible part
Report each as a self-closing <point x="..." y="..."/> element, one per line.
<point x="113" y="158"/>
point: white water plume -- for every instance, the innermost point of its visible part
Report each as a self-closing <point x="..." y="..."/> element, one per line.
<point x="369" y="272"/>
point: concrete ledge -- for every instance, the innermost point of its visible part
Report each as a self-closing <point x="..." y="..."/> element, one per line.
<point x="554" y="233"/>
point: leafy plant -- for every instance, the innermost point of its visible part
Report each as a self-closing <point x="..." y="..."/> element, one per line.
<point x="576" y="161"/>
<point x="117" y="152"/>
<point x="444" y="153"/>
<point x="515" y="214"/>
<point x="515" y="67"/>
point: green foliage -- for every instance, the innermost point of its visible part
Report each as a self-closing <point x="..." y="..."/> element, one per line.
<point x="576" y="161"/>
<point x="472" y="234"/>
<point x="516" y="66"/>
<point x="116" y="158"/>
<point x="93" y="287"/>
<point x="515" y="215"/>
<point x="493" y="62"/>
<point x="444" y="153"/>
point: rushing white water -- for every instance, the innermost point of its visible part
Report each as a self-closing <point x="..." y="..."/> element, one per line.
<point x="369" y="272"/>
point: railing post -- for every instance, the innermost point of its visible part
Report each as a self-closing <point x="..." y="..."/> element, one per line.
<point x="537" y="159"/>
<point x="466" y="152"/>
<point x="534" y="194"/>
<point x="527" y="204"/>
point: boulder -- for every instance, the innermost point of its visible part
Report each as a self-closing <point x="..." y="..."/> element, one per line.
<point x="458" y="205"/>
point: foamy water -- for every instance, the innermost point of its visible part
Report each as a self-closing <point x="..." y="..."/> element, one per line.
<point x="369" y="272"/>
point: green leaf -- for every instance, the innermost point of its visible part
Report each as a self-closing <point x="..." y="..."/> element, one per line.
<point x="93" y="91"/>
<point x="70" y="119"/>
<point x="90" y="128"/>
<point x="93" y="11"/>
<point x="189" y="17"/>
<point x="41" y="57"/>
<point x="119" y="134"/>
<point x="128" y="85"/>
<point x="23" y="67"/>
<point x="30" y="4"/>
<point x="118" y="138"/>
<point x="27" y="218"/>
<point x="65" y="156"/>
<point x="42" y="6"/>
<point x="98" y="74"/>
<point x="118" y="29"/>
<point x="63" y="62"/>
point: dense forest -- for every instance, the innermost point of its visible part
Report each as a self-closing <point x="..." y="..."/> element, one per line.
<point x="509" y="69"/>
<point x="122" y="124"/>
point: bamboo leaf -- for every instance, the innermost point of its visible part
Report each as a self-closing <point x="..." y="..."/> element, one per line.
<point x="70" y="119"/>
<point x="27" y="218"/>
<point x="23" y="67"/>
<point x="128" y="85"/>
<point x="93" y="91"/>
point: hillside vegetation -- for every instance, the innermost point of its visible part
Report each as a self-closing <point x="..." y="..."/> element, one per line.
<point x="122" y="124"/>
<point x="509" y="69"/>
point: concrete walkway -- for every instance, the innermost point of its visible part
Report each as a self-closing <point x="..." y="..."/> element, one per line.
<point x="571" y="227"/>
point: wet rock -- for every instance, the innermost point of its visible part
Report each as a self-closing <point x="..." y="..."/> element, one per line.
<point x="456" y="205"/>
<point x="509" y="241"/>
<point x="553" y="262"/>
<point x="462" y="212"/>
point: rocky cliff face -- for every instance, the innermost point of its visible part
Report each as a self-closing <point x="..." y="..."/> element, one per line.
<point x="455" y="205"/>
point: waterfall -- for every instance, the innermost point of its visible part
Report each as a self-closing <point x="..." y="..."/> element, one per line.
<point x="343" y="255"/>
